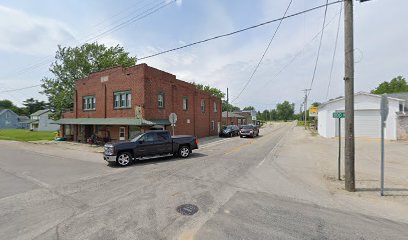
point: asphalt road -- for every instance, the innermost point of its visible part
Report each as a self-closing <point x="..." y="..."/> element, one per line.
<point x="48" y="197"/>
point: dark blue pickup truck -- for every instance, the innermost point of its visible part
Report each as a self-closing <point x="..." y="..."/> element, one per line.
<point x="149" y="144"/>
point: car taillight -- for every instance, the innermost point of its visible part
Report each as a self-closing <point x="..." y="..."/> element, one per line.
<point x="197" y="141"/>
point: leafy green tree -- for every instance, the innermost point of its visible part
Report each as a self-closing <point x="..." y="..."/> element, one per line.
<point x="229" y="107"/>
<point x="7" y="104"/>
<point x="285" y="110"/>
<point x="248" y="108"/>
<point x="274" y="115"/>
<point x="73" y="63"/>
<point x="259" y="116"/>
<point x="397" y="84"/>
<point x="316" y="104"/>
<point x="33" y="105"/>
<point x="206" y="88"/>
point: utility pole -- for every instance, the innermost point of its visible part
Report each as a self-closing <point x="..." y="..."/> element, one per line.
<point x="349" y="147"/>
<point x="305" y="104"/>
<point x="227" y="109"/>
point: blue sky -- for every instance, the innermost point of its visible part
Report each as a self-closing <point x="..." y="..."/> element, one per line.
<point x="31" y="30"/>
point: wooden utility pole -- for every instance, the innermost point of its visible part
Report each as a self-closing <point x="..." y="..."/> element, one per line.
<point x="305" y="104"/>
<point x="227" y="109"/>
<point x="349" y="154"/>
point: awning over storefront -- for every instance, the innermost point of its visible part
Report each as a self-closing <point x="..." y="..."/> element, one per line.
<point x="112" y="121"/>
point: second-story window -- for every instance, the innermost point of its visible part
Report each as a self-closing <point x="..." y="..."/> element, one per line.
<point x="122" y="99"/>
<point x="160" y="99"/>
<point x="185" y="103"/>
<point x="89" y="103"/>
<point x="202" y="105"/>
<point x="215" y="106"/>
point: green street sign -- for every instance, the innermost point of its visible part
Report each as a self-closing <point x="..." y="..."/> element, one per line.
<point x="339" y="114"/>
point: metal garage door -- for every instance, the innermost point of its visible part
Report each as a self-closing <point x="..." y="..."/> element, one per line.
<point x="366" y="124"/>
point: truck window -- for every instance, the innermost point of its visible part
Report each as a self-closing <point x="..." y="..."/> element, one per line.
<point x="162" y="136"/>
<point x="149" y="137"/>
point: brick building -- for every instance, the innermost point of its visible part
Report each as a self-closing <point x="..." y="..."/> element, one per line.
<point x="118" y="102"/>
<point x="233" y="118"/>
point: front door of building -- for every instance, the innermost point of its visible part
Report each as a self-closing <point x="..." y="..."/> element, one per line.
<point x="89" y="129"/>
<point x="122" y="133"/>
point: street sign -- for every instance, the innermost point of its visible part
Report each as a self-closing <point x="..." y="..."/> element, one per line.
<point x="173" y="118"/>
<point x="313" y="111"/>
<point x="339" y="115"/>
<point x="384" y="107"/>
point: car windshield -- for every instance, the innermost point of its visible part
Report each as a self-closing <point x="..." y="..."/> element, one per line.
<point x="136" y="137"/>
<point x="247" y="127"/>
<point x="227" y="127"/>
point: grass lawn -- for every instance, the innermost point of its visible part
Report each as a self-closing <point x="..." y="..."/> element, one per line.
<point x="25" y="135"/>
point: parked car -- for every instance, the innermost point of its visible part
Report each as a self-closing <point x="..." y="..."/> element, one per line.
<point x="229" y="131"/>
<point x="151" y="144"/>
<point x="249" y="131"/>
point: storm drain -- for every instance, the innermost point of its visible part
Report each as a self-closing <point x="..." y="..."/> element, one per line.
<point x="187" y="209"/>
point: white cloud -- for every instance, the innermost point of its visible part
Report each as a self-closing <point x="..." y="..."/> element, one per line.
<point x="23" y="33"/>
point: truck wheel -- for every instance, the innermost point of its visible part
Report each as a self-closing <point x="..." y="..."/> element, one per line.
<point x="124" y="159"/>
<point x="184" y="151"/>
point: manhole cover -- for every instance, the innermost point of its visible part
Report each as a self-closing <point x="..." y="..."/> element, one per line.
<point x="187" y="209"/>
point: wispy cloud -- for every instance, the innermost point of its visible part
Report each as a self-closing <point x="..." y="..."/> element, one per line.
<point x="24" y="33"/>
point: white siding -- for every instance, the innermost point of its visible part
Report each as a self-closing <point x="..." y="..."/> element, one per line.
<point x="367" y="117"/>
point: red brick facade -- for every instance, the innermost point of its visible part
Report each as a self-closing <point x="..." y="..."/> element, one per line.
<point x="145" y="83"/>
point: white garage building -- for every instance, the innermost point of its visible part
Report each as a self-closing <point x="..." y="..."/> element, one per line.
<point x="367" y="119"/>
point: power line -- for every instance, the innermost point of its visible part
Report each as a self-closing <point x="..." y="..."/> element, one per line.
<point x="334" y="52"/>
<point x="146" y="13"/>
<point x="264" y="53"/>
<point x="298" y="53"/>
<point x="241" y="30"/>
<point x="18" y="89"/>
<point x="223" y="35"/>
<point x="318" y="50"/>
<point x="46" y="60"/>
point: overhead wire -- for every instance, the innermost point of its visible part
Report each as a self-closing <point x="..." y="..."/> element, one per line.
<point x="318" y="50"/>
<point x="264" y="53"/>
<point x="231" y="33"/>
<point x="334" y="52"/>
<point x="299" y="53"/>
<point x="46" y="60"/>
<point x="240" y="30"/>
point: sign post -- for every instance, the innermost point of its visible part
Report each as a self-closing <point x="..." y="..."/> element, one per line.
<point x="339" y="115"/>
<point x="384" y="115"/>
<point x="338" y="161"/>
<point x="173" y="120"/>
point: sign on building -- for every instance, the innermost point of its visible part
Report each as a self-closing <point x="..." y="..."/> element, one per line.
<point x="313" y="111"/>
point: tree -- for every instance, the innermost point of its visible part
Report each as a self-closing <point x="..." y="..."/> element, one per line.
<point x="274" y="115"/>
<point x="285" y="110"/>
<point x="229" y="107"/>
<point x="248" y="108"/>
<point x="206" y="88"/>
<point x="7" y="104"/>
<point x="33" y="105"/>
<point x="397" y="84"/>
<point x="316" y="104"/>
<point x="73" y="63"/>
